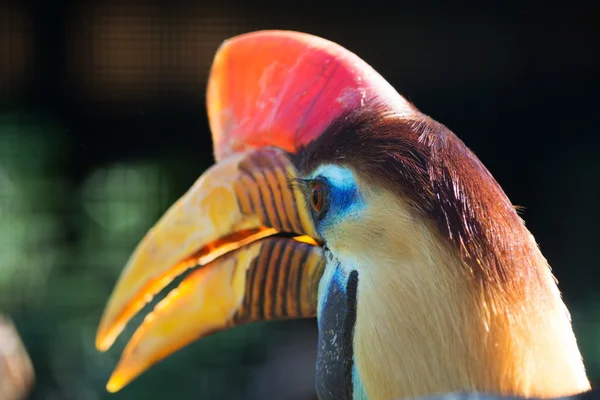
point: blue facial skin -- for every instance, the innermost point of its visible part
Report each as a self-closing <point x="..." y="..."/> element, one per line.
<point x="343" y="198"/>
<point x="336" y="374"/>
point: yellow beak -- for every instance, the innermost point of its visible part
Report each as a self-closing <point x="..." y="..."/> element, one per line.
<point x="247" y="226"/>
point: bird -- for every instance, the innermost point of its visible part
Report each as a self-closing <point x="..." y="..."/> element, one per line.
<point x="333" y="197"/>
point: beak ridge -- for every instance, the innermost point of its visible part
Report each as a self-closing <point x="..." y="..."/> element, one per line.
<point x="248" y="230"/>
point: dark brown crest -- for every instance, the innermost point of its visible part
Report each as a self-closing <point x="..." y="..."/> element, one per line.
<point x="424" y="161"/>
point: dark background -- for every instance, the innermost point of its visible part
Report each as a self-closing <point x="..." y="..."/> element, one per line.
<point x="103" y="126"/>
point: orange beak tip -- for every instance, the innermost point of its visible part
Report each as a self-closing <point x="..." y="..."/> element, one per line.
<point x="113" y="384"/>
<point x="111" y="387"/>
<point x="123" y="374"/>
<point x="107" y="335"/>
<point x="102" y="345"/>
<point x="100" y="348"/>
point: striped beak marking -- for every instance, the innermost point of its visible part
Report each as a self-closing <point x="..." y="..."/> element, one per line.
<point x="247" y="229"/>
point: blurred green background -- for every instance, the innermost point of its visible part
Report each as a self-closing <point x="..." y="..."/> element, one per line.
<point x="103" y="126"/>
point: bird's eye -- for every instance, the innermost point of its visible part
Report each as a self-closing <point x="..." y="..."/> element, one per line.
<point x="318" y="198"/>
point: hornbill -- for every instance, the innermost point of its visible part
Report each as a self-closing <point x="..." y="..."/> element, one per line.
<point x="333" y="196"/>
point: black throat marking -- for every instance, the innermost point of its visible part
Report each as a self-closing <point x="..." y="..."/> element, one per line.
<point x="335" y="358"/>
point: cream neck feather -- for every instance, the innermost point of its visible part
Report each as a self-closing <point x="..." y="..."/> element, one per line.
<point x="426" y="326"/>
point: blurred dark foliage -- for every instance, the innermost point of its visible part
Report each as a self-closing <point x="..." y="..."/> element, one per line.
<point x="103" y="126"/>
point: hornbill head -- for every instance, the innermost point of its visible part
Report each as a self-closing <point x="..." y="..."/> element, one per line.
<point x="333" y="196"/>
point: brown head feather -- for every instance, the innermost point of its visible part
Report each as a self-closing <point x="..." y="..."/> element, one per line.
<point x="425" y="162"/>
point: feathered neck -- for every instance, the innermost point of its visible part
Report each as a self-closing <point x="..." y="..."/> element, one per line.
<point x="425" y="324"/>
<point x="454" y="293"/>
